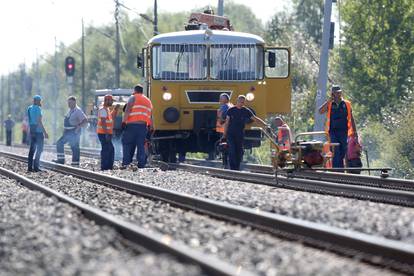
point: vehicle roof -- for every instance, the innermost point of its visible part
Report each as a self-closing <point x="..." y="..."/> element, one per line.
<point x="114" y="92"/>
<point x="198" y="37"/>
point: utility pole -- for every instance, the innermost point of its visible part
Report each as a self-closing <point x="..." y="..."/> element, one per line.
<point x="155" y="18"/>
<point x="8" y="94"/>
<point x="117" y="46"/>
<point x="37" y="74"/>
<point x="83" y="67"/>
<point x="55" y="93"/>
<point x="323" y="67"/>
<point x="2" y="108"/>
<point x="220" y="7"/>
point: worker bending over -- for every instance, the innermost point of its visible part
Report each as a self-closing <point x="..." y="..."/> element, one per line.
<point x="340" y="124"/>
<point x="104" y="129"/>
<point x="136" y="120"/>
<point x="236" y="119"/>
<point x="284" y="134"/>
<point x="74" y="120"/>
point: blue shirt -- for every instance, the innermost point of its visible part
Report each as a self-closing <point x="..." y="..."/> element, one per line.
<point x="34" y="112"/>
<point x="223" y="109"/>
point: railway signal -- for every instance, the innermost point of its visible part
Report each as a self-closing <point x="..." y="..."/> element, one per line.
<point x="70" y="66"/>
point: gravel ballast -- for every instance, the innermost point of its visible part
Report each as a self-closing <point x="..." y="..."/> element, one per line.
<point x="241" y="246"/>
<point x="373" y="218"/>
<point x="41" y="236"/>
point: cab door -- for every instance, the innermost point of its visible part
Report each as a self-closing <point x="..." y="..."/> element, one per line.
<point x="277" y="80"/>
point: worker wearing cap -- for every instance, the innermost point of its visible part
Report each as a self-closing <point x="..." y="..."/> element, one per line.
<point x="137" y="119"/>
<point x="340" y="124"/>
<point x="37" y="134"/>
<point x="236" y="119"/>
<point x="221" y="119"/>
<point x="73" y="122"/>
<point x="105" y="131"/>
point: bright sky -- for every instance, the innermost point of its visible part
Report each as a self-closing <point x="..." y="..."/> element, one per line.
<point x="30" y="26"/>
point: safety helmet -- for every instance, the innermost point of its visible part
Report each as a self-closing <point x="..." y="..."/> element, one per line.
<point x="37" y="98"/>
<point x="108" y="97"/>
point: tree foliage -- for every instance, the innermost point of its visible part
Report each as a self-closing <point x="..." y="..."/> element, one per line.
<point x="378" y="54"/>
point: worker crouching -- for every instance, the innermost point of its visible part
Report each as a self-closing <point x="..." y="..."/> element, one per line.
<point x="105" y="130"/>
<point x="137" y="118"/>
<point x="74" y="120"/>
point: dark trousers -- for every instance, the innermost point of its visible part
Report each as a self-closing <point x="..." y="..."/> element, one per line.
<point x="355" y="163"/>
<point x="36" y="146"/>
<point x="73" y="139"/>
<point x="235" y="142"/>
<point x="134" y="138"/>
<point x="107" y="153"/>
<point x="340" y="137"/>
<point x="8" y="137"/>
<point x="24" y="138"/>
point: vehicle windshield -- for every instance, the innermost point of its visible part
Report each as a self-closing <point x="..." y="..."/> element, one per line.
<point x="236" y="62"/>
<point x="179" y="62"/>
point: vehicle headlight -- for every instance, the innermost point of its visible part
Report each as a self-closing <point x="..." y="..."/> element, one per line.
<point x="166" y="96"/>
<point x="171" y="114"/>
<point x="250" y="96"/>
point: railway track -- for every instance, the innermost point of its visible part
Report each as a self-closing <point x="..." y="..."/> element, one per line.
<point x="151" y="241"/>
<point x="385" y="252"/>
<point x="338" y="184"/>
<point x="344" y="178"/>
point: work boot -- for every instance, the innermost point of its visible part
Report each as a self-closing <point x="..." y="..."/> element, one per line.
<point x="59" y="161"/>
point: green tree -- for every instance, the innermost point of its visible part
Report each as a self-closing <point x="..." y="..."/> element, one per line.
<point x="378" y="53"/>
<point x="309" y="18"/>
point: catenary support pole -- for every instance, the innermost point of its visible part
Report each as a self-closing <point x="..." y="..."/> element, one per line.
<point x="323" y="67"/>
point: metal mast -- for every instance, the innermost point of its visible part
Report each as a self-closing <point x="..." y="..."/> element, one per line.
<point x="323" y="67"/>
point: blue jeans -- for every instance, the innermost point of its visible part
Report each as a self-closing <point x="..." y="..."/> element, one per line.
<point x="107" y="153"/>
<point x="73" y="139"/>
<point x="235" y="142"/>
<point x="36" y="145"/>
<point x="134" y="137"/>
<point x="340" y="137"/>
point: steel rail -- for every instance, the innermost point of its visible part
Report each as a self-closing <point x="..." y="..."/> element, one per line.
<point x="373" y="249"/>
<point x="344" y="178"/>
<point x="397" y="197"/>
<point x="152" y="241"/>
<point x="341" y="178"/>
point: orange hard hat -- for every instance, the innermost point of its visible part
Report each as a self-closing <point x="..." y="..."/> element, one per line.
<point x="108" y="97"/>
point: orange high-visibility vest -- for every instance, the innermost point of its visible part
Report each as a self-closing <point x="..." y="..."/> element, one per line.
<point x="349" y="117"/>
<point x="141" y="110"/>
<point x="282" y="132"/>
<point x="109" y="123"/>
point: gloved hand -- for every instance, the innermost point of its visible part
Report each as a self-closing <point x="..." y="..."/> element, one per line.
<point x="108" y="137"/>
<point x="123" y="125"/>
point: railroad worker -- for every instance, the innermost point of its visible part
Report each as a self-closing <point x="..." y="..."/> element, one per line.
<point x="236" y="119"/>
<point x="284" y="134"/>
<point x="340" y="124"/>
<point x="9" y="125"/>
<point x="25" y="131"/>
<point x="137" y="119"/>
<point x="37" y="134"/>
<point x="353" y="155"/>
<point x="105" y="131"/>
<point x="73" y="122"/>
<point x="221" y="119"/>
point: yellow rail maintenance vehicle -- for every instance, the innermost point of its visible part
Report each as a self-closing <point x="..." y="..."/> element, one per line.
<point x="185" y="73"/>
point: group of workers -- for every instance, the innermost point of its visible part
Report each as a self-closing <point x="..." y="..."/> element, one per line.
<point x="340" y="126"/>
<point x="137" y="119"/>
